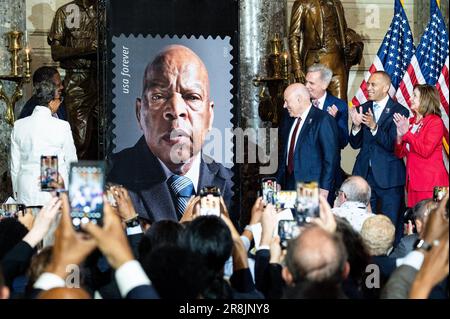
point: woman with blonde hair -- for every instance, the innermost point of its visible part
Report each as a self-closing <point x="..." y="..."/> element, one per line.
<point x="420" y="140"/>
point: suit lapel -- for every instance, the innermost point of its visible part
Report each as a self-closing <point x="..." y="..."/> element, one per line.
<point x="158" y="200"/>
<point x="306" y="126"/>
<point x="209" y="175"/>
<point x="386" y="112"/>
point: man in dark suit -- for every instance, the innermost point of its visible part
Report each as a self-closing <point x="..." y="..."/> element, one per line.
<point x="311" y="151"/>
<point x="166" y="166"/>
<point x="374" y="132"/>
<point x="318" y="79"/>
<point x="45" y="73"/>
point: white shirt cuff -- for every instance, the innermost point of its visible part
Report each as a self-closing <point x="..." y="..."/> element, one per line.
<point x="354" y="132"/>
<point x="134" y="230"/>
<point x="246" y="242"/>
<point x="263" y="247"/>
<point x="48" y="281"/>
<point x="413" y="259"/>
<point x="374" y="132"/>
<point x="129" y="276"/>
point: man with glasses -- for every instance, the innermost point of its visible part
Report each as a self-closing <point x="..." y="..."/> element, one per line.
<point x="353" y="201"/>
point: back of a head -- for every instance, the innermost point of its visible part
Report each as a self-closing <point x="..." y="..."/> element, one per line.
<point x="210" y="238"/>
<point x="64" y="293"/>
<point x="313" y="290"/>
<point x="38" y="264"/>
<point x="45" y="91"/>
<point x="11" y="233"/>
<point x="423" y="208"/>
<point x="176" y="273"/>
<point x="163" y="232"/>
<point x="316" y="256"/>
<point x="378" y="234"/>
<point x="356" y="189"/>
<point x="44" y="73"/>
<point x="358" y="256"/>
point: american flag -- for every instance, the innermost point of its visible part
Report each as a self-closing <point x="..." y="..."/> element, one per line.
<point x="393" y="56"/>
<point x="428" y="66"/>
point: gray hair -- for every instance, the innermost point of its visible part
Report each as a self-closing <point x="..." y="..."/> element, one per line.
<point x="356" y="189"/>
<point x="325" y="73"/>
<point x="45" y="91"/>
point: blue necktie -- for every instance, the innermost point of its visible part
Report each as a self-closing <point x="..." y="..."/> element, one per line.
<point x="182" y="190"/>
<point x="376" y="106"/>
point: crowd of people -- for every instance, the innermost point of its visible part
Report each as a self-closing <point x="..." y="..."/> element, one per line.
<point x="154" y="242"/>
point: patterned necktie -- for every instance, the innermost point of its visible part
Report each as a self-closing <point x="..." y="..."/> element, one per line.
<point x="182" y="189"/>
<point x="315" y="103"/>
<point x="290" y="166"/>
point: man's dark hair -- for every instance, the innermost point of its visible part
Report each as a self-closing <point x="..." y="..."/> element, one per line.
<point x="2" y="280"/>
<point x="358" y="256"/>
<point x="159" y="234"/>
<point x="45" y="91"/>
<point x="176" y="273"/>
<point x="422" y="208"/>
<point x="44" y="73"/>
<point x="209" y="238"/>
<point x="11" y="233"/>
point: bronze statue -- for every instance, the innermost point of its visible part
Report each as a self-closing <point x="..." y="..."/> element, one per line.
<point x="73" y="41"/>
<point x="319" y="34"/>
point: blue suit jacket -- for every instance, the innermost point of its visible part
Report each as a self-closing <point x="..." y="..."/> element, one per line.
<point x="341" y="117"/>
<point x="316" y="151"/>
<point x="388" y="170"/>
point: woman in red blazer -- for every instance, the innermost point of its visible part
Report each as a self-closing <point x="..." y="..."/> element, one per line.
<point x="420" y="140"/>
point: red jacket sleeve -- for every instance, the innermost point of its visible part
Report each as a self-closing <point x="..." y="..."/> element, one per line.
<point x="425" y="143"/>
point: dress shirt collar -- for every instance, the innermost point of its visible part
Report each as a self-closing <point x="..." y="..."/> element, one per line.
<point x="382" y="103"/>
<point x="321" y="101"/>
<point x="42" y="110"/>
<point x="193" y="174"/>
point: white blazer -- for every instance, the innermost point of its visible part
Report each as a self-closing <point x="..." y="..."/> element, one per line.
<point x="31" y="137"/>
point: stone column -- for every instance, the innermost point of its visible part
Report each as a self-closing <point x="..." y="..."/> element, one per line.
<point x="12" y="17"/>
<point x="259" y="21"/>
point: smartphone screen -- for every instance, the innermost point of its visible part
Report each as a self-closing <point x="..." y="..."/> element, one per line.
<point x="307" y="201"/>
<point x="86" y="184"/>
<point x="286" y="199"/>
<point x="439" y="193"/>
<point x="210" y="201"/>
<point x="269" y="190"/>
<point x="49" y="172"/>
<point x="287" y="229"/>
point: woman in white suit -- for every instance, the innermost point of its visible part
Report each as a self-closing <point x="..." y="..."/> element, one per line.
<point x="39" y="134"/>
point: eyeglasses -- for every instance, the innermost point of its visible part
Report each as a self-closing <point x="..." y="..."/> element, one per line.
<point x="338" y="192"/>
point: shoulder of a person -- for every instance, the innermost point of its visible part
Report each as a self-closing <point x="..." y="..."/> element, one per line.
<point x="337" y="101"/>
<point x="215" y="166"/>
<point x="432" y="118"/>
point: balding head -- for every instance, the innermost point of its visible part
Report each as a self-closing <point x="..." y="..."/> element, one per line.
<point x="296" y="99"/>
<point x="64" y="293"/>
<point x="175" y="96"/>
<point x="173" y="60"/>
<point x="316" y="256"/>
<point x="356" y="189"/>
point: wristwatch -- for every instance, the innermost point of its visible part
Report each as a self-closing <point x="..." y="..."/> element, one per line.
<point x="422" y="244"/>
<point x="132" y="222"/>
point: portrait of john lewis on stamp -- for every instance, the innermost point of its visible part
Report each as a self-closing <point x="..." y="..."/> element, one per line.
<point x="172" y="120"/>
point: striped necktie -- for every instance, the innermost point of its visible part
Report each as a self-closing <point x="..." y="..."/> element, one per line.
<point x="182" y="190"/>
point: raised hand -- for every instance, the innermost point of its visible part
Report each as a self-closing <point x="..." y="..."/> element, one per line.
<point x="402" y="124"/>
<point x="369" y="120"/>
<point x="332" y="110"/>
<point x="357" y="116"/>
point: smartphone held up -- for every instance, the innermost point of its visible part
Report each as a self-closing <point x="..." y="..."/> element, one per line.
<point x="86" y="185"/>
<point x="49" y="172"/>
<point x="210" y="201"/>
